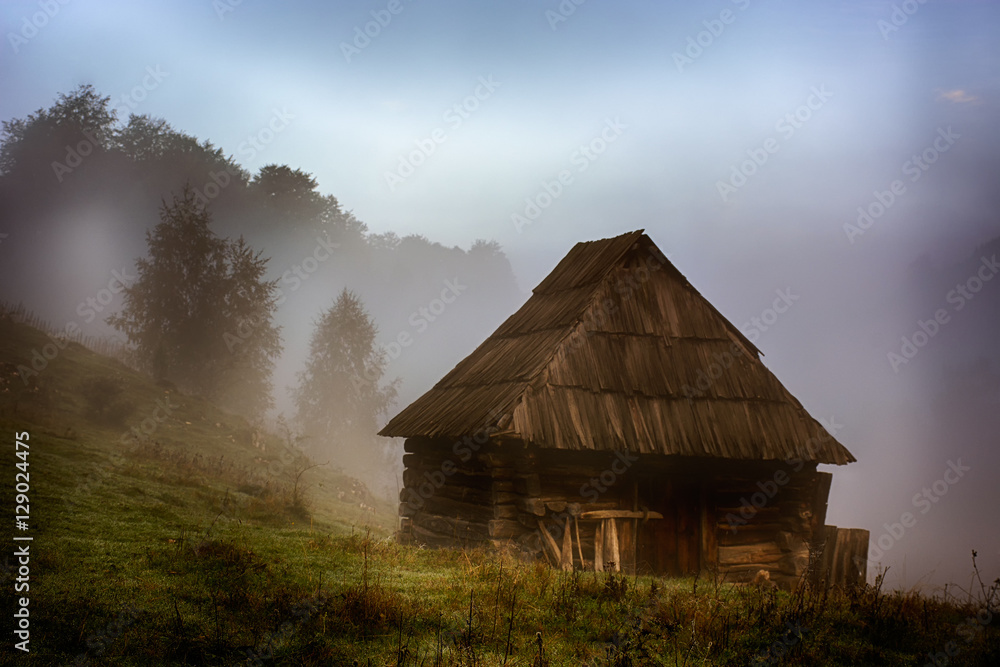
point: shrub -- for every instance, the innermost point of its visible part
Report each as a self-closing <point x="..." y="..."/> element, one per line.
<point x="105" y="402"/>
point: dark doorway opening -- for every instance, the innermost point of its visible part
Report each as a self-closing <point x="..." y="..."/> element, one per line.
<point x="671" y="545"/>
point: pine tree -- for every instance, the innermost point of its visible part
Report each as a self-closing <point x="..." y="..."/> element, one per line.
<point x="339" y="398"/>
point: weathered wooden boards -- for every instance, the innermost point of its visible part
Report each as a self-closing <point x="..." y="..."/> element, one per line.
<point x="582" y="398"/>
<point x="612" y="555"/>
<point x="607" y="550"/>
<point x="599" y="548"/>
<point x="550" y="543"/>
<point x="498" y="494"/>
<point x="844" y="559"/>
<point x="744" y="517"/>
<point x="452" y="497"/>
<point x="620" y="514"/>
<point x="566" y="557"/>
<point x="771" y="522"/>
<point x="604" y="356"/>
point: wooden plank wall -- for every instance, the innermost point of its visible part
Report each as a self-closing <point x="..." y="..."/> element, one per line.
<point x="844" y="560"/>
<point x="683" y="541"/>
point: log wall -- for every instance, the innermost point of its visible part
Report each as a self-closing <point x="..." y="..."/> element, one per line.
<point x="770" y="518"/>
<point x="509" y="494"/>
<point x="455" y="496"/>
<point x="738" y="517"/>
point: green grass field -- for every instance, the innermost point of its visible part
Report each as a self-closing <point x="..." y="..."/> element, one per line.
<point x="186" y="544"/>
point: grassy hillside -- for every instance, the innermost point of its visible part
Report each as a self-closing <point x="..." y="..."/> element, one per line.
<point x="186" y="543"/>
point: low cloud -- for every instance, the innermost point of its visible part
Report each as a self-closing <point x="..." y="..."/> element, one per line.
<point x="957" y="96"/>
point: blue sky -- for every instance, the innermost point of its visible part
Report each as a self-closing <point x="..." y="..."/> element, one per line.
<point x="228" y="70"/>
<point x="894" y="76"/>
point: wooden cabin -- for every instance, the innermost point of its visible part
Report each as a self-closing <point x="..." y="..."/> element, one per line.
<point x="617" y="421"/>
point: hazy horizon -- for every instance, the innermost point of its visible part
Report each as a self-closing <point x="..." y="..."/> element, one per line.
<point x="845" y="153"/>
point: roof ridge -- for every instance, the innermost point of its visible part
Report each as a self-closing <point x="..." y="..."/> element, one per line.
<point x="589" y="302"/>
<point x="580" y="246"/>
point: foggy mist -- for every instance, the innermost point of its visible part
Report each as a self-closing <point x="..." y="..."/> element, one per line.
<point x="843" y="157"/>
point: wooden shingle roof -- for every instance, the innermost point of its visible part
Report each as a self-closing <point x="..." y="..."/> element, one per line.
<point x="616" y="350"/>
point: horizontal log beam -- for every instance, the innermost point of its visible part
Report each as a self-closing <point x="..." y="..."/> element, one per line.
<point x="619" y="514"/>
<point x="504" y="529"/>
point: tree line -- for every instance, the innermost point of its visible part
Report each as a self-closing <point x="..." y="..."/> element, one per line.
<point x="201" y="313"/>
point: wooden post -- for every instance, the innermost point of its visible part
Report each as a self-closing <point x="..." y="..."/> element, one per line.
<point x="635" y="525"/>
<point x="709" y="540"/>
<point x="566" y="562"/>
<point x="550" y="542"/>
<point x="579" y="542"/>
<point x="599" y="547"/>
<point x="611" y="547"/>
